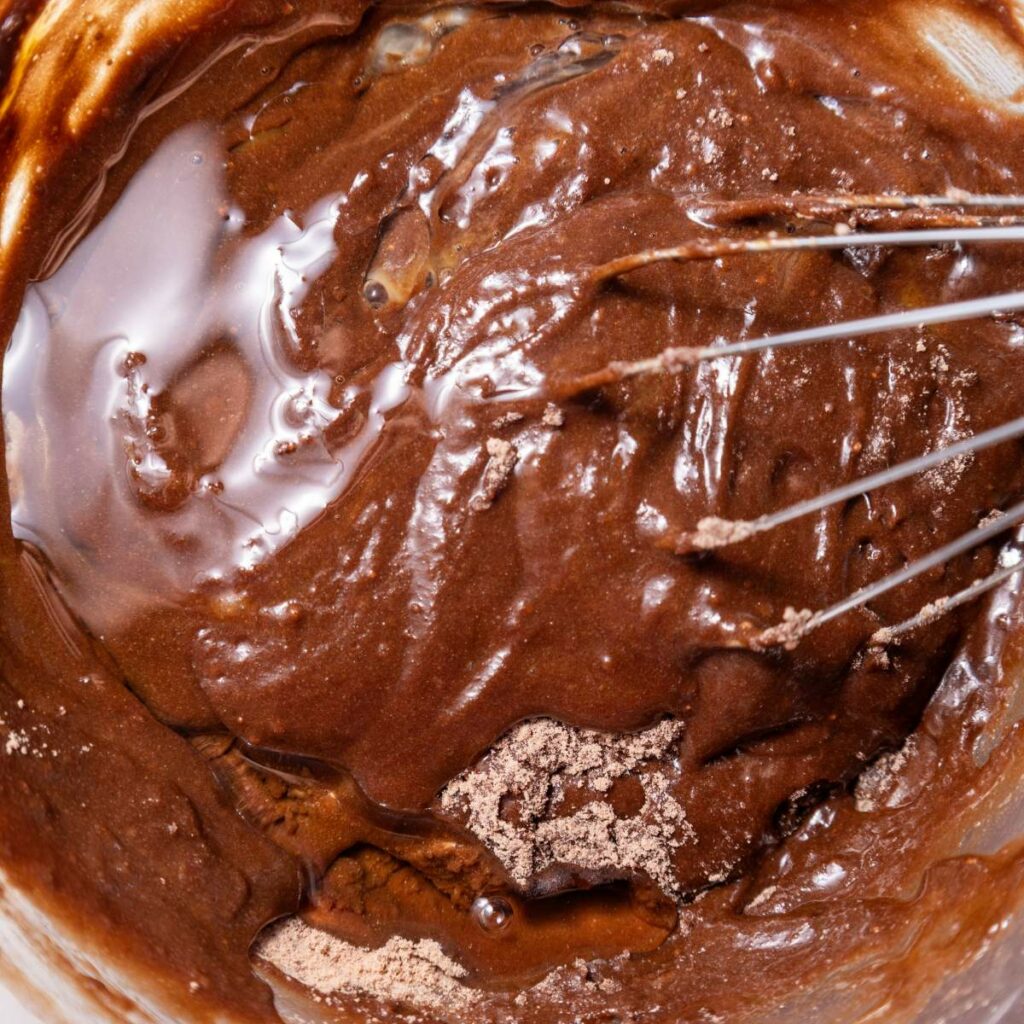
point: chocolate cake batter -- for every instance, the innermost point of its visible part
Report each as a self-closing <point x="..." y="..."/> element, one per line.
<point x="320" y="598"/>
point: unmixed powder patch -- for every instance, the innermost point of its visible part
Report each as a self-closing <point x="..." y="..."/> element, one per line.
<point x="713" y="532"/>
<point x="553" y="416"/>
<point x="17" y="743"/>
<point x="761" y="899"/>
<point x="877" y="785"/>
<point x="787" y="634"/>
<point x="501" y="460"/>
<point x="401" y="971"/>
<point x="531" y="768"/>
<point x="581" y="976"/>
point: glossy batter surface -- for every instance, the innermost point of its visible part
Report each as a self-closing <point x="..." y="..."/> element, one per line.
<point x="295" y="502"/>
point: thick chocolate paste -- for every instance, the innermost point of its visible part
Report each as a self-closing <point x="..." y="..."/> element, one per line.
<point x="300" y="529"/>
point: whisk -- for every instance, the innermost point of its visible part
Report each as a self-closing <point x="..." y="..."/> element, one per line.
<point x="951" y="225"/>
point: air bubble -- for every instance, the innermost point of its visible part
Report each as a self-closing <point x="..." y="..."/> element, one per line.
<point x="492" y="913"/>
<point x="375" y="294"/>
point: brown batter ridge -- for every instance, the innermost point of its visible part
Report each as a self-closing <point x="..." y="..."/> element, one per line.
<point x="357" y="581"/>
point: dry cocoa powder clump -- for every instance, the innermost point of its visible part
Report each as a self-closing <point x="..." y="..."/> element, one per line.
<point x="531" y="769"/>
<point x="418" y="973"/>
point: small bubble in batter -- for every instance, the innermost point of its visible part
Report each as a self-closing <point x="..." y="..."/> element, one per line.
<point x="375" y="294"/>
<point x="492" y="913"/>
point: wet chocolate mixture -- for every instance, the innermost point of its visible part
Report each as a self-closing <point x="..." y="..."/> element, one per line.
<point x="319" y="594"/>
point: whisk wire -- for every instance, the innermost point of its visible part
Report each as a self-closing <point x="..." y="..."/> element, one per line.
<point x="675" y="358"/>
<point x="713" y="532"/>
<point x="892" y="634"/>
<point x="716" y="248"/>
<point x="789" y="633"/>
